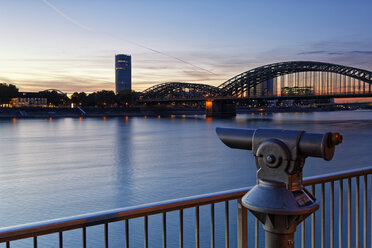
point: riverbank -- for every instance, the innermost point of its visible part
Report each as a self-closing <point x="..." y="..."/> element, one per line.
<point x="145" y="111"/>
<point x="95" y="112"/>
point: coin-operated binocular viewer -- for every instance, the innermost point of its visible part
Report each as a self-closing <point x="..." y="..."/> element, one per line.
<point x="279" y="200"/>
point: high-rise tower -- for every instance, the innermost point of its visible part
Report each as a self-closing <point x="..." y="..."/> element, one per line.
<point x="123" y="72"/>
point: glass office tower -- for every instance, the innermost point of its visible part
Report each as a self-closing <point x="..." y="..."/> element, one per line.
<point x="123" y="72"/>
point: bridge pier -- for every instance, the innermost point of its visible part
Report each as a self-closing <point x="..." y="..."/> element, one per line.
<point x="220" y="109"/>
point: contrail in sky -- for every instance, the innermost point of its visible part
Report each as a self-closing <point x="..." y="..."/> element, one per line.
<point x="66" y="16"/>
<point x="134" y="43"/>
<point x="170" y="56"/>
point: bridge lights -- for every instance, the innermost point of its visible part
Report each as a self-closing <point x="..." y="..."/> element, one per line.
<point x="209" y="104"/>
<point x="279" y="200"/>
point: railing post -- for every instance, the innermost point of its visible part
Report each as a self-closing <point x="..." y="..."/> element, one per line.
<point x="227" y="222"/>
<point x="256" y="233"/>
<point x="242" y="225"/>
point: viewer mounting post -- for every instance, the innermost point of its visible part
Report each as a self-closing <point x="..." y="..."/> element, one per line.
<point x="279" y="200"/>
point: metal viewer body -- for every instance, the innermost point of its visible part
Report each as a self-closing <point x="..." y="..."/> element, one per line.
<point x="279" y="200"/>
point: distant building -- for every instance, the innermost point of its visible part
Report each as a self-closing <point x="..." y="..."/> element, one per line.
<point x="29" y="99"/>
<point x="123" y="72"/>
<point x="297" y="91"/>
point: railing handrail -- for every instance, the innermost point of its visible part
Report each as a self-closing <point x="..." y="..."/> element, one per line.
<point x="96" y="218"/>
<point x="337" y="176"/>
<point x="84" y="220"/>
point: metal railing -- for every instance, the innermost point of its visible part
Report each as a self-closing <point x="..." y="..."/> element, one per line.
<point x="322" y="186"/>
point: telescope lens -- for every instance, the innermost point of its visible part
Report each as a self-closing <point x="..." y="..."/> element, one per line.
<point x="336" y="139"/>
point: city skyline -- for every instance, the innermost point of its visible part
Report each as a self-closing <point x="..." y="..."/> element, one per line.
<point x="70" y="45"/>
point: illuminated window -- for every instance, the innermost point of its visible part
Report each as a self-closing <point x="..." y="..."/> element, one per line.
<point x="208" y="104"/>
<point x="122" y="61"/>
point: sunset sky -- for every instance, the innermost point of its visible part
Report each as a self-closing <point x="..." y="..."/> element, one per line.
<point x="70" y="45"/>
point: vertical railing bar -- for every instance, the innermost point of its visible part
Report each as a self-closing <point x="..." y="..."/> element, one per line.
<point x="365" y="212"/>
<point x="303" y="234"/>
<point x="357" y="212"/>
<point x="349" y="212"/>
<point x="340" y="212"/>
<point x="197" y="242"/>
<point x="256" y="233"/>
<point x="35" y="241"/>
<point x="146" y="231"/>
<point x="322" y="218"/>
<point x="127" y="233"/>
<point x="60" y="240"/>
<point x="332" y="215"/>
<point x="84" y="229"/>
<point x="227" y="222"/>
<point x="242" y="225"/>
<point x="239" y="224"/>
<point x="313" y="221"/>
<point x="106" y="235"/>
<point x="212" y="225"/>
<point x="165" y="230"/>
<point x="7" y="244"/>
<point x="181" y="228"/>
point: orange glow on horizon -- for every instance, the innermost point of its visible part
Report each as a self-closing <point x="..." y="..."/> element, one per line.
<point x="351" y="100"/>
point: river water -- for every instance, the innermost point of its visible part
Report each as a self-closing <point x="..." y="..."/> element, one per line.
<point x="53" y="168"/>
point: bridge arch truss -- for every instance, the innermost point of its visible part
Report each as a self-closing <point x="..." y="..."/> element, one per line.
<point x="177" y="90"/>
<point x="56" y="90"/>
<point x="314" y="77"/>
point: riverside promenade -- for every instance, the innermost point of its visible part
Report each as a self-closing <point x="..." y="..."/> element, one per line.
<point x="35" y="112"/>
<point x="95" y="112"/>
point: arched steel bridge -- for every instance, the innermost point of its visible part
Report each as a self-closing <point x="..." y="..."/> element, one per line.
<point x="56" y="90"/>
<point x="175" y="90"/>
<point x="285" y="79"/>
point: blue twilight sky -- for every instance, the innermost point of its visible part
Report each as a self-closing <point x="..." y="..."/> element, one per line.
<point x="70" y="44"/>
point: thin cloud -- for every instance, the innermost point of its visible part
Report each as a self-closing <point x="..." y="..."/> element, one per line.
<point x="68" y="84"/>
<point x="336" y="53"/>
<point x="5" y="80"/>
<point x="362" y="52"/>
<point x="312" y="52"/>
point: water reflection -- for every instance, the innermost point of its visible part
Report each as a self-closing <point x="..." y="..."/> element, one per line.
<point x="76" y="166"/>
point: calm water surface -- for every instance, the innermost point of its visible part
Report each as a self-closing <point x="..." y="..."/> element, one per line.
<point x="63" y="167"/>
